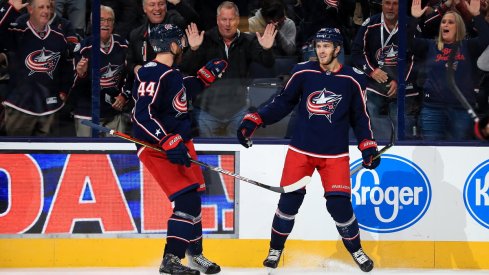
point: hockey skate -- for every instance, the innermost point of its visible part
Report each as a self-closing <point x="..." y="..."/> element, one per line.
<point x="273" y="258"/>
<point x="362" y="260"/>
<point x="203" y="264"/>
<point x="171" y="265"/>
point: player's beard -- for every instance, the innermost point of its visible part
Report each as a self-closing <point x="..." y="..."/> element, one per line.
<point x="329" y="59"/>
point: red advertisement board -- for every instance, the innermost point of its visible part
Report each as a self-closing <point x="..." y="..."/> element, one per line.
<point x="53" y="193"/>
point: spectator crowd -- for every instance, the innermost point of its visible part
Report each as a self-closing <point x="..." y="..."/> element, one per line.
<point x="46" y="46"/>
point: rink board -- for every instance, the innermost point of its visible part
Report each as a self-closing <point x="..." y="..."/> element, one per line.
<point x="135" y="252"/>
<point x="93" y="204"/>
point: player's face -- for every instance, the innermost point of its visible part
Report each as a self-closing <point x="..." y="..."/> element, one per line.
<point x="155" y="10"/>
<point x="326" y="52"/>
<point x="40" y="12"/>
<point x="227" y="23"/>
<point x="390" y="9"/>
<point x="448" y="28"/>
<point x="106" y="25"/>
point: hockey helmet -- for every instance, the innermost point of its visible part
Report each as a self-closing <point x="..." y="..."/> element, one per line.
<point x="329" y="34"/>
<point x="162" y="35"/>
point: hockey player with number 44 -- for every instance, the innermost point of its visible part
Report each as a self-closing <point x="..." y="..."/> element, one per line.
<point x="331" y="98"/>
<point x="160" y="116"/>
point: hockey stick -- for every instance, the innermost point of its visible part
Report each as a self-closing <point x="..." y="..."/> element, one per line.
<point x="383" y="150"/>
<point x="286" y="189"/>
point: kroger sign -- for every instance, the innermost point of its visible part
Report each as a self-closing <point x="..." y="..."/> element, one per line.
<point x="392" y="197"/>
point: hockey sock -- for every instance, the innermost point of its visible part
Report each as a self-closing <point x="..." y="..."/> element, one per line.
<point x="283" y="221"/>
<point x="195" y="246"/>
<point x="181" y="223"/>
<point x="341" y="210"/>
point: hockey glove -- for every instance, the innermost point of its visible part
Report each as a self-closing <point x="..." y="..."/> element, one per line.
<point x="211" y="71"/>
<point x="175" y="149"/>
<point x="480" y="128"/>
<point x="369" y="151"/>
<point x="247" y="128"/>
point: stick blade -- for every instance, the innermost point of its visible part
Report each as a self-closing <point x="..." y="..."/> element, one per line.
<point x="297" y="185"/>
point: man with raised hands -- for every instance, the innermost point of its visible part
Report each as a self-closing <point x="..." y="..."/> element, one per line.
<point x="330" y="98"/>
<point x="160" y="116"/>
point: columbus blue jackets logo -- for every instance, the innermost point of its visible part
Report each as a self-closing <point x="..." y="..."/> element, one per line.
<point x="110" y="75"/>
<point x="42" y="61"/>
<point x="387" y="55"/>
<point x="322" y="103"/>
<point x="180" y="102"/>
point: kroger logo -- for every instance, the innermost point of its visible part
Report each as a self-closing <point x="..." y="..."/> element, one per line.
<point x="476" y="194"/>
<point x="392" y="197"/>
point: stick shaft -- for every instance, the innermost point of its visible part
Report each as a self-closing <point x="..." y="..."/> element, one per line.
<point x="203" y="164"/>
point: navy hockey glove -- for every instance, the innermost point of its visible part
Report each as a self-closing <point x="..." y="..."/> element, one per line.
<point x="247" y="128"/>
<point x="211" y="70"/>
<point x="175" y="149"/>
<point x="369" y="150"/>
<point x="480" y="128"/>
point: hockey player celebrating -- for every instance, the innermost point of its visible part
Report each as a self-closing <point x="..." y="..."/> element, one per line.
<point x="161" y="116"/>
<point x="331" y="97"/>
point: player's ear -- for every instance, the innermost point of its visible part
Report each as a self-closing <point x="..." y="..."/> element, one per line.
<point x="174" y="48"/>
<point x="337" y="50"/>
<point x="29" y="9"/>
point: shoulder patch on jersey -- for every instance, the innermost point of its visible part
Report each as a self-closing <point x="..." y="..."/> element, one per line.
<point x="77" y="47"/>
<point x="150" y="64"/>
<point x="357" y="70"/>
<point x="365" y="23"/>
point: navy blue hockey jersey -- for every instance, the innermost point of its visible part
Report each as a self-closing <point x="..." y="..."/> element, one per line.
<point x="39" y="69"/>
<point x="62" y="25"/>
<point x="113" y="71"/>
<point x="376" y="47"/>
<point x="436" y="88"/>
<point x="7" y="14"/>
<point x="161" y="108"/>
<point x="329" y="102"/>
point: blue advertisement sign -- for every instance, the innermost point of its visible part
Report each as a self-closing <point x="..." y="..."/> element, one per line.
<point x="392" y="197"/>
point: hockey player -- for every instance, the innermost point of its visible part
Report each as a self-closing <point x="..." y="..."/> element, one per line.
<point x="331" y="97"/>
<point x="161" y="117"/>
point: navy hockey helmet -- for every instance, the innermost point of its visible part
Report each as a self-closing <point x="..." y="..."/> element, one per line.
<point x="162" y="35"/>
<point x="329" y="34"/>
